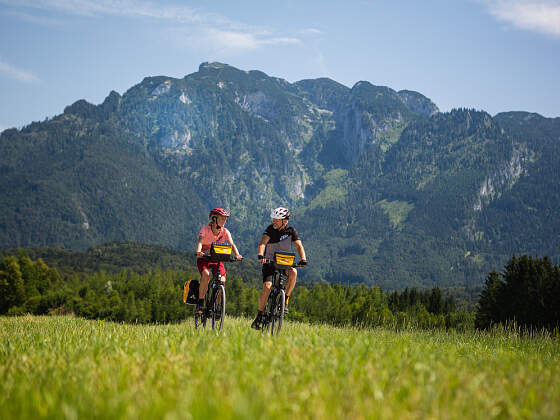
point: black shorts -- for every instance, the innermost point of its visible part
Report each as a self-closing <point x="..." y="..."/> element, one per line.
<point x="268" y="272"/>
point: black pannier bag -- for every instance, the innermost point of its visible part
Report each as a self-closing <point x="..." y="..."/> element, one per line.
<point x="190" y="292"/>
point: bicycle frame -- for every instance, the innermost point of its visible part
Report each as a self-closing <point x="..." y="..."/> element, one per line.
<point x="273" y="315"/>
<point x="214" y="301"/>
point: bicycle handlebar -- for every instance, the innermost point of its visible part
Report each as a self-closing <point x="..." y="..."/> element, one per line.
<point x="209" y="257"/>
<point x="296" y="265"/>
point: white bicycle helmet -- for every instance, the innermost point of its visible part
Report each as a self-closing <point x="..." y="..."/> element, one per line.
<point x="280" y="213"/>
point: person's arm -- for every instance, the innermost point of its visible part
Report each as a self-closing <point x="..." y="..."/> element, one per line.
<point x="262" y="247"/>
<point x="299" y="248"/>
<point x="199" y="252"/>
<point x="238" y="256"/>
<point x="229" y="239"/>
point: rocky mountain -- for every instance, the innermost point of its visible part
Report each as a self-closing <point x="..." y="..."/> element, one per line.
<point x="385" y="188"/>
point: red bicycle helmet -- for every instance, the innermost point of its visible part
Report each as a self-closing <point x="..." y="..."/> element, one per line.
<point x="218" y="211"/>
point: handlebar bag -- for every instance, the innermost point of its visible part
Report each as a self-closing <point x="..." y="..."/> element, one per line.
<point x="220" y="251"/>
<point x="283" y="260"/>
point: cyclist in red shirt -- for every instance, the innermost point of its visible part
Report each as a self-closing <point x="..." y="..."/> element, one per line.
<point x="214" y="231"/>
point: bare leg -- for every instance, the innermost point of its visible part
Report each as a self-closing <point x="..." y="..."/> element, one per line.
<point x="291" y="283"/>
<point x="267" y="286"/>
<point x="204" y="280"/>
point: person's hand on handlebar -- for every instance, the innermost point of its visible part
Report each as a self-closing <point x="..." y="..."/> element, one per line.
<point x="200" y="254"/>
<point x="261" y="259"/>
<point x="239" y="257"/>
<point x="302" y="263"/>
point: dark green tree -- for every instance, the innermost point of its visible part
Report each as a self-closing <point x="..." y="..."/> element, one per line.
<point x="12" y="290"/>
<point x="526" y="293"/>
<point x="488" y="307"/>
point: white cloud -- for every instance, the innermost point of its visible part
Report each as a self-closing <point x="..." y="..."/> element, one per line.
<point x="30" y="18"/>
<point x="205" y="30"/>
<point x="130" y="8"/>
<point x="17" y="74"/>
<point x="311" y="31"/>
<point x="541" y="16"/>
<point x="230" y="40"/>
<point x="234" y="41"/>
<point x="280" y="41"/>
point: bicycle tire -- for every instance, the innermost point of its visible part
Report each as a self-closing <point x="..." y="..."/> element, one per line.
<point x="219" y="308"/>
<point x="278" y="313"/>
<point x="200" y="319"/>
<point x="205" y="314"/>
<point x="264" y="324"/>
<point x="267" y="313"/>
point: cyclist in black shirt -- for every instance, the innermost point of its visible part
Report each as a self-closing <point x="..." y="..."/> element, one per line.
<point x="277" y="237"/>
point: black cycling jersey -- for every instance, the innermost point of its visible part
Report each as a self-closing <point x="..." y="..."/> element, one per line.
<point x="280" y="240"/>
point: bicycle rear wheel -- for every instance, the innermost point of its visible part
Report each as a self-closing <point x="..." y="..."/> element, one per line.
<point x="219" y="307"/>
<point x="278" y="313"/>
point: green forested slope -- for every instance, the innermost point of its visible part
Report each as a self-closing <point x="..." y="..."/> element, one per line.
<point x="74" y="182"/>
<point x="527" y="219"/>
<point x="384" y="188"/>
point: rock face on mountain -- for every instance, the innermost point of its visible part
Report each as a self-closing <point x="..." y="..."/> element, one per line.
<point x="385" y="189"/>
<point x="418" y="103"/>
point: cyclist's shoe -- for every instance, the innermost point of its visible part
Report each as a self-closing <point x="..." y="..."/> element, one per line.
<point x="199" y="310"/>
<point x="217" y="315"/>
<point x="286" y="310"/>
<point x="257" y="323"/>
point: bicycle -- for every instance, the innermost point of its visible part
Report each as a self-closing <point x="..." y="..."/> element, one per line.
<point x="273" y="315"/>
<point x="214" y="306"/>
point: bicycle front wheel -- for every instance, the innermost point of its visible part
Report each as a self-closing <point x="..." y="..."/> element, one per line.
<point x="219" y="308"/>
<point x="278" y="313"/>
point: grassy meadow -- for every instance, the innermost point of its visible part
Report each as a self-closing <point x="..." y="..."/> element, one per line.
<point x="72" y="368"/>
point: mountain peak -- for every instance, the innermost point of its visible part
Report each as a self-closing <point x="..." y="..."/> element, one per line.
<point x="81" y="108"/>
<point x="418" y="103"/>
<point x="213" y="65"/>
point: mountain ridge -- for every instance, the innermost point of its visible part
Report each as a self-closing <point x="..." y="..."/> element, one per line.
<point x="382" y="182"/>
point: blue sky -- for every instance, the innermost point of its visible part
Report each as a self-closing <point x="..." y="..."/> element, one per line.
<point x="494" y="55"/>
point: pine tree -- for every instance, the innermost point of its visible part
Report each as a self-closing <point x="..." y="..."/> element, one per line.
<point x="12" y="289"/>
<point x="489" y="303"/>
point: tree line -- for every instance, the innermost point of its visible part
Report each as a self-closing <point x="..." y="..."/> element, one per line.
<point x="30" y="286"/>
<point x="527" y="292"/>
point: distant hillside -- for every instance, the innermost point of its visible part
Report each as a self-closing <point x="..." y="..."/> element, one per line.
<point x="385" y="189"/>
<point x="136" y="257"/>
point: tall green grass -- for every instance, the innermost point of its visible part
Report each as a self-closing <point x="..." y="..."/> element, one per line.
<point x="63" y="367"/>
